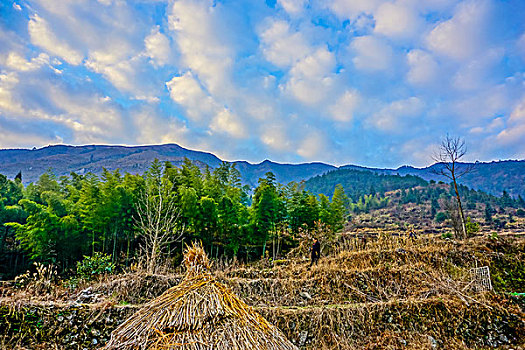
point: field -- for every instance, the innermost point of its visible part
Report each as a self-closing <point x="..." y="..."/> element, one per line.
<point x="388" y="292"/>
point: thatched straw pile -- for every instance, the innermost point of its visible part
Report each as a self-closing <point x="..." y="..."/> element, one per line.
<point x="199" y="313"/>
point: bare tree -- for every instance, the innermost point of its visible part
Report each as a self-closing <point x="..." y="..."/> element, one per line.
<point x="157" y="220"/>
<point x="451" y="150"/>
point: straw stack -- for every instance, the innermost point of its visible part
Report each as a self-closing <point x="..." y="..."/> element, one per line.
<point x="199" y="313"/>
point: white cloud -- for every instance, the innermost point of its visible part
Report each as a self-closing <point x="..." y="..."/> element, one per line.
<point x="495" y="125"/>
<point x="514" y="133"/>
<point x="110" y="41"/>
<point x="352" y="8"/>
<point x="276" y="137"/>
<point x="16" y="62"/>
<point x="423" y="67"/>
<point x="7" y="102"/>
<point x="372" y="54"/>
<point x="473" y="108"/>
<point x="202" y="108"/>
<point x="464" y="35"/>
<point x="394" y="116"/>
<point x="344" y="107"/>
<point x="158" y="47"/>
<point x="474" y="74"/>
<point x="186" y="91"/>
<point x="281" y="46"/>
<point x="312" y="146"/>
<point x="42" y="36"/>
<point x="293" y="7"/>
<point x="152" y="129"/>
<point x="129" y="76"/>
<point x="228" y="123"/>
<point x="10" y="138"/>
<point x="518" y="114"/>
<point x="204" y="47"/>
<point x="311" y="78"/>
<point x="91" y="118"/>
<point x="418" y="150"/>
<point x="88" y="117"/>
<point x="397" y="20"/>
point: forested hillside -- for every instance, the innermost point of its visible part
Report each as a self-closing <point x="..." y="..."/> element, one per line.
<point x="59" y="220"/>
<point x="358" y="182"/>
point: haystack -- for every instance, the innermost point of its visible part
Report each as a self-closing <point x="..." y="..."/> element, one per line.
<point x="199" y="313"/>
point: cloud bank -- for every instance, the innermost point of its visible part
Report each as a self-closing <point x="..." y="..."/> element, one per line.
<point x="372" y="82"/>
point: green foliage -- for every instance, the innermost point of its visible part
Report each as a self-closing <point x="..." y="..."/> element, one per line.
<point x="447" y="235"/>
<point x="62" y="220"/>
<point x="96" y="265"/>
<point x="493" y="236"/>
<point x="357" y="183"/>
<point x="472" y="227"/>
<point x="441" y="217"/>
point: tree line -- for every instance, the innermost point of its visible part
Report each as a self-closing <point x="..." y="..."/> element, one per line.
<point x="61" y="220"/>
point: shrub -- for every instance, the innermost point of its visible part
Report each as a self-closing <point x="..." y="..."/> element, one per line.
<point x="440" y="217"/>
<point x="447" y="235"/>
<point x="472" y="227"/>
<point x="520" y="213"/>
<point x="92" y="266"/>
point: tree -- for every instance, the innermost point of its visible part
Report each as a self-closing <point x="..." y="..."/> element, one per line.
<point x="450" y="152"/>
<point x="338" y="208"/>
<point x="157" y="217"/>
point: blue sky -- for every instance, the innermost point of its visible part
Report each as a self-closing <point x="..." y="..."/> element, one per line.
<point x="368" y="82"/>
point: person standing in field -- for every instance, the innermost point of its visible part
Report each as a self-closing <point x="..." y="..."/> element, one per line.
<point x="315" y="251"/>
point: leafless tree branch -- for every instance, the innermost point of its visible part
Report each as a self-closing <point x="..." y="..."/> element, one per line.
<point x="157" y="220"/>
<point x="447" y="157"/>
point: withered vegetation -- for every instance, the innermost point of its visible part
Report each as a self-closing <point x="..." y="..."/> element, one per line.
<point x="198" y="313"/>
<point x="386" y="292"/>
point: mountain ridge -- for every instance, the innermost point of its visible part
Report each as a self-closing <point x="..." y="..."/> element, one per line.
<point x="492" y="177"/>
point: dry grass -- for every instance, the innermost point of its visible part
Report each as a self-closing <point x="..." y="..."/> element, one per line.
<point x="199" y="313"/>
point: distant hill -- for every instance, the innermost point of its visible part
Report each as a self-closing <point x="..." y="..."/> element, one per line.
<point x="93" y="158"/>
<point x="493" y="177"/>
<point x="359" y="182"/>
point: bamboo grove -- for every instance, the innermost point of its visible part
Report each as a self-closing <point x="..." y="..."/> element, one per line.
<point x="61" y="220"/>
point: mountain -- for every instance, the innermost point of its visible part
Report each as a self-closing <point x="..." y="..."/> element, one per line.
<point x="493" y="177"/>
<point x="93" y="158"/>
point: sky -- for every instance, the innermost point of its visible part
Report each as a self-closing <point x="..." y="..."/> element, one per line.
<point x="368" y="82"/>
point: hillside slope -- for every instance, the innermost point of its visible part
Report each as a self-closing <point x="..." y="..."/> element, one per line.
<point x="389" y="293"/>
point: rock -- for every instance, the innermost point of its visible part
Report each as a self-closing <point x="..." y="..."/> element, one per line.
<point x="302" y="338"/>
<point x="433" y="342"/>
<point x="87" y="296"/>
<point x="305" y="295"/>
